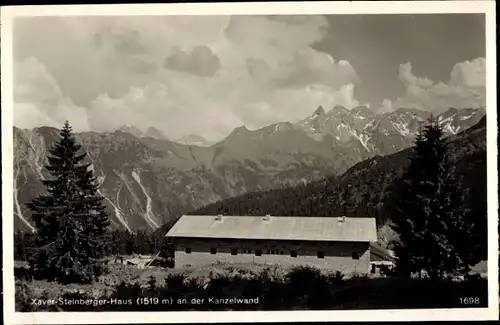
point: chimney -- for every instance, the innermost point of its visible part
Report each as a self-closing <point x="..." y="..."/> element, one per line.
<point x="267" y="217"/>
<point x="218" y="217"/>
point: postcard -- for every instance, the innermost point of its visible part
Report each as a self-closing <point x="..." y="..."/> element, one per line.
<point x="210" y="162"/>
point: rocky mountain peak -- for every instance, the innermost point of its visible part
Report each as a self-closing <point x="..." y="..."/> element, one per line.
<point x="361" y="109"/>
<point x="361" y="112"/>
<point x="320" y="111"/>
<point x="238" y="132"/>
<point x="153" y="132"/>
<point x="131" y="130"/>
<point x="338" y="110"/>
<point x="451" y="111"/>
<point x="278" y="127"/>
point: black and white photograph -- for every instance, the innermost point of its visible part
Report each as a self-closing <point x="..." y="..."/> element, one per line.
<point x="287" y="161"/>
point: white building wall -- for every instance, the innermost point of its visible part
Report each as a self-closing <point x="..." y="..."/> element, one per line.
<point x="337" y="255"/>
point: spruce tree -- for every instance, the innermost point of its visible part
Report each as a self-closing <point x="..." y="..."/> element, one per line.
<point x="19" y="246"/>
<point x="430" y="216"/>
<point x="70" y="219"/>
<point x="167" y="253"/>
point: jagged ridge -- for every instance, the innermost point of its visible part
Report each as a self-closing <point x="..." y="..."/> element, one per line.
<point x="367" y="186"/>
<point x="148" y="181"/>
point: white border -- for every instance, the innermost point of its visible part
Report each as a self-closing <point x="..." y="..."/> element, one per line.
<point x="369" y="7"/>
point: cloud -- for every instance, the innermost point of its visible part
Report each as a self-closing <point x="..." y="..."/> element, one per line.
<point x="138" y="65"/>
<point x="470" y="74"/>
<point x="307" y="66"/>
<point x="386" y="106"/>
<point x="201" y="61"/>
<point x="293" y="104"/>
<point x="122" y="41"/>
<point x="137" y="105"/>
<point x="170" y="110"/>
<point x="275" y="32"/>
<point x="38" y="99"/>
<point x="466" y="88"/>
<point x="123" y="48"/>
<point x="129" y="65"/>
<point x="409" y="79"/>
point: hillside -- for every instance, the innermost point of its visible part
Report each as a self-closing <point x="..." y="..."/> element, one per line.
<point x="149" y="180"/>
<point x="365" y="187"/>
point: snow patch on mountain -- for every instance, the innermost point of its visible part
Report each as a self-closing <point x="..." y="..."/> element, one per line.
<point x="370" y="124"/>
<point x="117" y="210"/>
<point x="401" y="126"/>
<point x="451" y="129"/>
<point x="148" y="214"/>
<point x="18" y="211"/>
<point x="362" y="138"/>
<point x="463" y="118"/>
<point x="442" y="120"/>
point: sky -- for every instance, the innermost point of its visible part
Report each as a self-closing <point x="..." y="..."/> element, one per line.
<point x="207" y="75"/>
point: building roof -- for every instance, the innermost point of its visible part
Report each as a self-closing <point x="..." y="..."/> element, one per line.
<point x="138" y="261"/>
<point x="276" y="228"/>
<point x="381" y="254"/>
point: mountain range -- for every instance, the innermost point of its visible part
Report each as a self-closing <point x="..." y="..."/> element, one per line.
<point x="148" y="180"/>
<point x="151" y="132"/>
<point x="366" y="188"/>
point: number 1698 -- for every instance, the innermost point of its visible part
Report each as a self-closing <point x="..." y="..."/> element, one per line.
<point x="469" y="300"/>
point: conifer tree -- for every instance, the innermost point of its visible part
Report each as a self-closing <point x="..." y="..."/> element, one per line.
<point x="167" y="253"/>
<point x="70" y="219"/>
<point x="430" y="216"/>
<point x="20" y="245"/>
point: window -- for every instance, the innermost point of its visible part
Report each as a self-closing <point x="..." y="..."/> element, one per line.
<point x="213" y="251"/>
<point x="281" y="252"/>
<point x="321" y="255"/>
<point x="268" y="252"/>
<point x="355" y="256"/>
<point x="258" y="252"/>
<point x="293" y="254"/>
<point x="188" y="250"/>
<point x="234" y="251"/>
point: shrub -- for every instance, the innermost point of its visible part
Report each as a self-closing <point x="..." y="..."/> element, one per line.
<point x="22" y="273"/>
<point x="218" y="283"/>
<point x="272" y="274"/>
<point x="302" y="278"/>
<point x="336" y="277"/>
<point x="23" y="297"/>
<point x="309" y="285"/>
<point x="125" y="292"/>
<point x="387" y="271"/>
<point x="100" y="270"/>
<point x="358" y="278"/>
<point x="175" y="283"/>
<point x="152" y="283"/>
